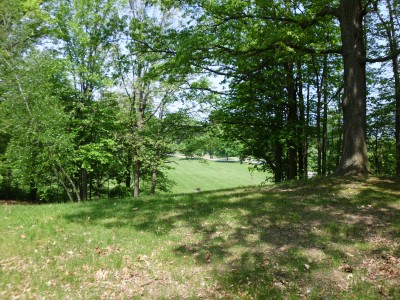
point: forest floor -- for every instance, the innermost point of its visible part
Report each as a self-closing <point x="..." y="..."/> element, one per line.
<point x="325" y="238"/>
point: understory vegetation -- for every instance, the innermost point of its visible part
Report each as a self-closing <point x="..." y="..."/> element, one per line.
<point x="322" y="238"/>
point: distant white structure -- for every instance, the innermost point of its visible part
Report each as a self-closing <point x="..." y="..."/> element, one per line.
<point x="310" y="174"/>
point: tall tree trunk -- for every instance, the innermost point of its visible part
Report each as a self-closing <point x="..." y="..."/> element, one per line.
<point x="376" y="154"/>
<point x="90" y="186"/>
<point x="324" y="117"/>
<point x="66" y="190"/>
<point x="308" y="106"/>
<point x="155" y="170"/>
<point x="83" y="186"/>
<point x="71" y="182"/>
<point x="278" y="153"/>
<point x="302" y="133"/>
<point x="393" y="46"/>
<point x="354" y="160"/>
<point x="278" y="149"/>
<point x="136" y="179"/>
<point x="98" y="189"/>
<point x="395" y="64"/>
<point x="339" y="148"/>
<point x="128" y="176"/>
<point x="318" y="121"/>
<point x="141" y="104"/>
<point x="56" y="173"/>
<point x="153" y="180"/>
<point x="292" y="118"/>
<point x="391" y="32"/>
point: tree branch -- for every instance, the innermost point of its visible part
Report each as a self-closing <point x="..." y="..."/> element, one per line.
<point x="374" y="3"/>
<point x="206" y="89"/>
<point x="327" y="11"/>
<point x="315" y="51"/>
<point x="383" y="59"/>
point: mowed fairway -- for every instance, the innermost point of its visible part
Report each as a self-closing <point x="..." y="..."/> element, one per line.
<point x="190" y="174"/>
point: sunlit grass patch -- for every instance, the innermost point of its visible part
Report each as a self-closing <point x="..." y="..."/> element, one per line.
<point x="192" y="174"/>
<point x="294" y="240"/>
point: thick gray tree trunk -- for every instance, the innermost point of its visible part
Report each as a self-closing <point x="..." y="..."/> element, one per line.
<point x="354" y="159"/>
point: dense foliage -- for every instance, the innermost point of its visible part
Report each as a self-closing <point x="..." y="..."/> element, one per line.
<point x="94" y="94"/>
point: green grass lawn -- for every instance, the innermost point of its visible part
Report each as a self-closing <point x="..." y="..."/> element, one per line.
<point x="190" y="174"/>
<point x="320" y="239"/>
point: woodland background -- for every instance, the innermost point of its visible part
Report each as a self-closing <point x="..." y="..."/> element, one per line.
<point x="95" y="94"/>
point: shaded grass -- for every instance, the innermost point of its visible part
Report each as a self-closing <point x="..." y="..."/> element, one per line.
<point x="190" y="174"/>
<point x="324" y="238"/>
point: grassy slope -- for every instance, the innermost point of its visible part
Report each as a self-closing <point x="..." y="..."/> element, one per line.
<point x="211" y="175"/>
<point x="328" y="238"/>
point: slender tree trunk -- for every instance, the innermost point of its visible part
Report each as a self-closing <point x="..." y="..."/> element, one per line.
<point x="56" y="173"/>
<point x="395" y="65"/>
<point x="278" y="174"/>
<point x="66" y="190"/>
<point x="128" y="176"/>
<point x="307" y="131"/>
<point x="98" y="189"/>
<point x="292" y="118"/>
<point x="137" y="163"/>
<point x="354" y="159"/>
<point x="136" y="179"/>
<point x="83" y="187"/>
<point x="90" y="186"/>
<point x="71" y="182"/>
<point x="153" y="180"/>
<point x="278" y="152"/>
<point x="325" y="138"/>
<point x="141" y="103"/>
<point x="291" y="114"/>
<point x="339" y="148"/>
<point x="376" y="153"/>
<point x="302" y="135"/>
<point x="318" y="121"/>
<point x="324" y="117"/>
<point x="393" y="45"/>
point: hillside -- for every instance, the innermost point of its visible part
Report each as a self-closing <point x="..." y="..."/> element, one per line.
<point x="324" y="238"/>
<point x="207" y="175"/>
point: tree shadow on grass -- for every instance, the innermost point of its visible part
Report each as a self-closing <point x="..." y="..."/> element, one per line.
<point x="300" y="239"/>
